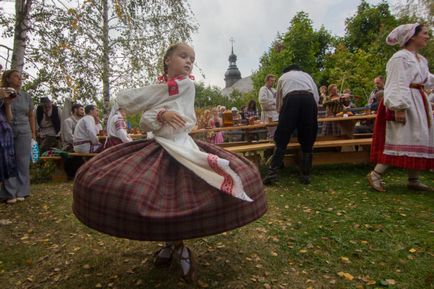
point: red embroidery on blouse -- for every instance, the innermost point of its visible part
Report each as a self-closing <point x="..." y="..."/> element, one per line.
<point x="120" y="124"/>
<point x="172" y="86"/>
<point x="228" y="183"/>
<point x="159" y="115"/>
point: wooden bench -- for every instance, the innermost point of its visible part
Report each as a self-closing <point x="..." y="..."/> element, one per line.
<point x="255" y="151"/>
<point x="59" y="162"/>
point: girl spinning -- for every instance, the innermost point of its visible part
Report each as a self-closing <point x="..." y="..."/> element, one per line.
<point x="170" y="188"/>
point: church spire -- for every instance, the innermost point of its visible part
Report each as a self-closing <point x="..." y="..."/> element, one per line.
<point x="232" y="74"/>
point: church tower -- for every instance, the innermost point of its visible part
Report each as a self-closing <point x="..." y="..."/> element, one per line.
<point x="232" y="75"/>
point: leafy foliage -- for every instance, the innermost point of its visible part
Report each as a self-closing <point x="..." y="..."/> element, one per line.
<point x="68" y="44"/>
<point x="352" y="61"/>
<point x="301" y="45"/>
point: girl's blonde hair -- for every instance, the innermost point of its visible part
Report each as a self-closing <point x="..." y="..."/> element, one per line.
<point x="169" y="53"/>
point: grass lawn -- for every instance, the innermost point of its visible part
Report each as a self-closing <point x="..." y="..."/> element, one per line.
<point x="335" y="233"/>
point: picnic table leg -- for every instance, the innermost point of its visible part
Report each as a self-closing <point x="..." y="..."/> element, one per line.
<point x="254" y="157"/>
<point x="59" y="171"/>
<point x="347" y="128"/>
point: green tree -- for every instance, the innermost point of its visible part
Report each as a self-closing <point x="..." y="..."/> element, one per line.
<point x="84" y="49"/>
<point x="208" y="96"/>
<point x="301" y="45"/>
<point x="368" y="26"/>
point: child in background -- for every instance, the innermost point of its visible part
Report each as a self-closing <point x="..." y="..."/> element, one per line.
<point x="213" y="122"/>
<point x="170" y="188"/>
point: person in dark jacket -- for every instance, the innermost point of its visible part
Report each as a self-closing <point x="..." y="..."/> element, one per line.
<point x="48" y="123"/>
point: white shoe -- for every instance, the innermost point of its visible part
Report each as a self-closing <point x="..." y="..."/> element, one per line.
<point x="11" y="201"/>
<point x="21" y="199"/>
<point x="375" y="181"/>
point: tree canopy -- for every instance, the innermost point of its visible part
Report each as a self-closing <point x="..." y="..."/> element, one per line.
<point x="351" y="61"/>
<point x="80" y="50"/>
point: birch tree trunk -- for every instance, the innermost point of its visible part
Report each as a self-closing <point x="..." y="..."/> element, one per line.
<point x="106" y="61"/>
<point x="22" y="26"/>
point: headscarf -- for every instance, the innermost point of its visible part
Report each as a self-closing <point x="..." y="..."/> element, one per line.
<point x="401" y="34"/>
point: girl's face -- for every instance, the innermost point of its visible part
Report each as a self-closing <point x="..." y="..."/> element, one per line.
<point x="180" y="62"/>
<point x="420" y="40"/>
<point x="15" y="80"/>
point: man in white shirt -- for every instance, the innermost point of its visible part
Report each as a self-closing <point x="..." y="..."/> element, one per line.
<point x="296" y="101"/>
<point x="86" y="131"/>
<point x="69" y="125"/>
<point x="267" y="99"/>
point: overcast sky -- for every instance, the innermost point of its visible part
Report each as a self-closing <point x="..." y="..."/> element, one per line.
<point x="254" y="25"/>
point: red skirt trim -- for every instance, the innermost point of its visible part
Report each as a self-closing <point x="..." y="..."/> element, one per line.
<point x="378" y="144"/>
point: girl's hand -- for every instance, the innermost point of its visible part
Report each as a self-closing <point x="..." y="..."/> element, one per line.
<point x="400" y="116"/>
<point x="173" y="119"/>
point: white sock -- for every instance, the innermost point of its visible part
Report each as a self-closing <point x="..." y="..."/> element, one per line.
<point x="166" y="252"/>
<point x="380" y="168"/>
<point x="185" y="259"/>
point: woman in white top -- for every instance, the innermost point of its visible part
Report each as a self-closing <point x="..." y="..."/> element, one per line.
<point x="404" y="131"/>
<point x="117" y="129"/>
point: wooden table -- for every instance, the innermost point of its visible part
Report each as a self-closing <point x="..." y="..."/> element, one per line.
<point x="346" y="123"/>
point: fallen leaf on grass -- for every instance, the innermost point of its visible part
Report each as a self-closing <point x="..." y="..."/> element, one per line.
<point x="86" y="266"/>
<point x="5" y="222"/>
<point x="346" y="275"/>
<point x="267" y="286"/>
<point x="345" y="259"/>
<point x="412" y="250"/>
<point x="202" y="284"/>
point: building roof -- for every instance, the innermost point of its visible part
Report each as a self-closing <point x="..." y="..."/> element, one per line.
<point x="243" y="85"/>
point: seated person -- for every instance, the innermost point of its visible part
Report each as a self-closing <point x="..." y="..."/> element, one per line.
<point x="332" y="102"/>
<point x="117" y="130"/>
<point x="48" y="124"/>
<point x="367" y="126"/>
<point x="346" y="100"/>
<point x="213" y="122"/>
<point x="251" y="110"/>
<point x="86" y="131"/>
<point x="70" y="124"/>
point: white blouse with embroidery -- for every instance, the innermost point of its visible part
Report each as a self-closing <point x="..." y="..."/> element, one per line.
<point x="178" y="95"/>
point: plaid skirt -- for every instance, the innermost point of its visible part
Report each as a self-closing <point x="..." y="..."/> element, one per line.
<point x="111" y="142"/>
<point x="377" y="147"/>
<point x="330" y="129"/>
<point x="138" y="191"/>
<point x="8" y="164"/>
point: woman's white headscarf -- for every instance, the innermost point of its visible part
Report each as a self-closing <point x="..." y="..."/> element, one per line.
<point x="401" y="34"/>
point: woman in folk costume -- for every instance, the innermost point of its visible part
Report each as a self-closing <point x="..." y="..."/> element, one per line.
<point x="116" y="129"/>
<point x="404" y="131"/>
<point x="170" y="188"/>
